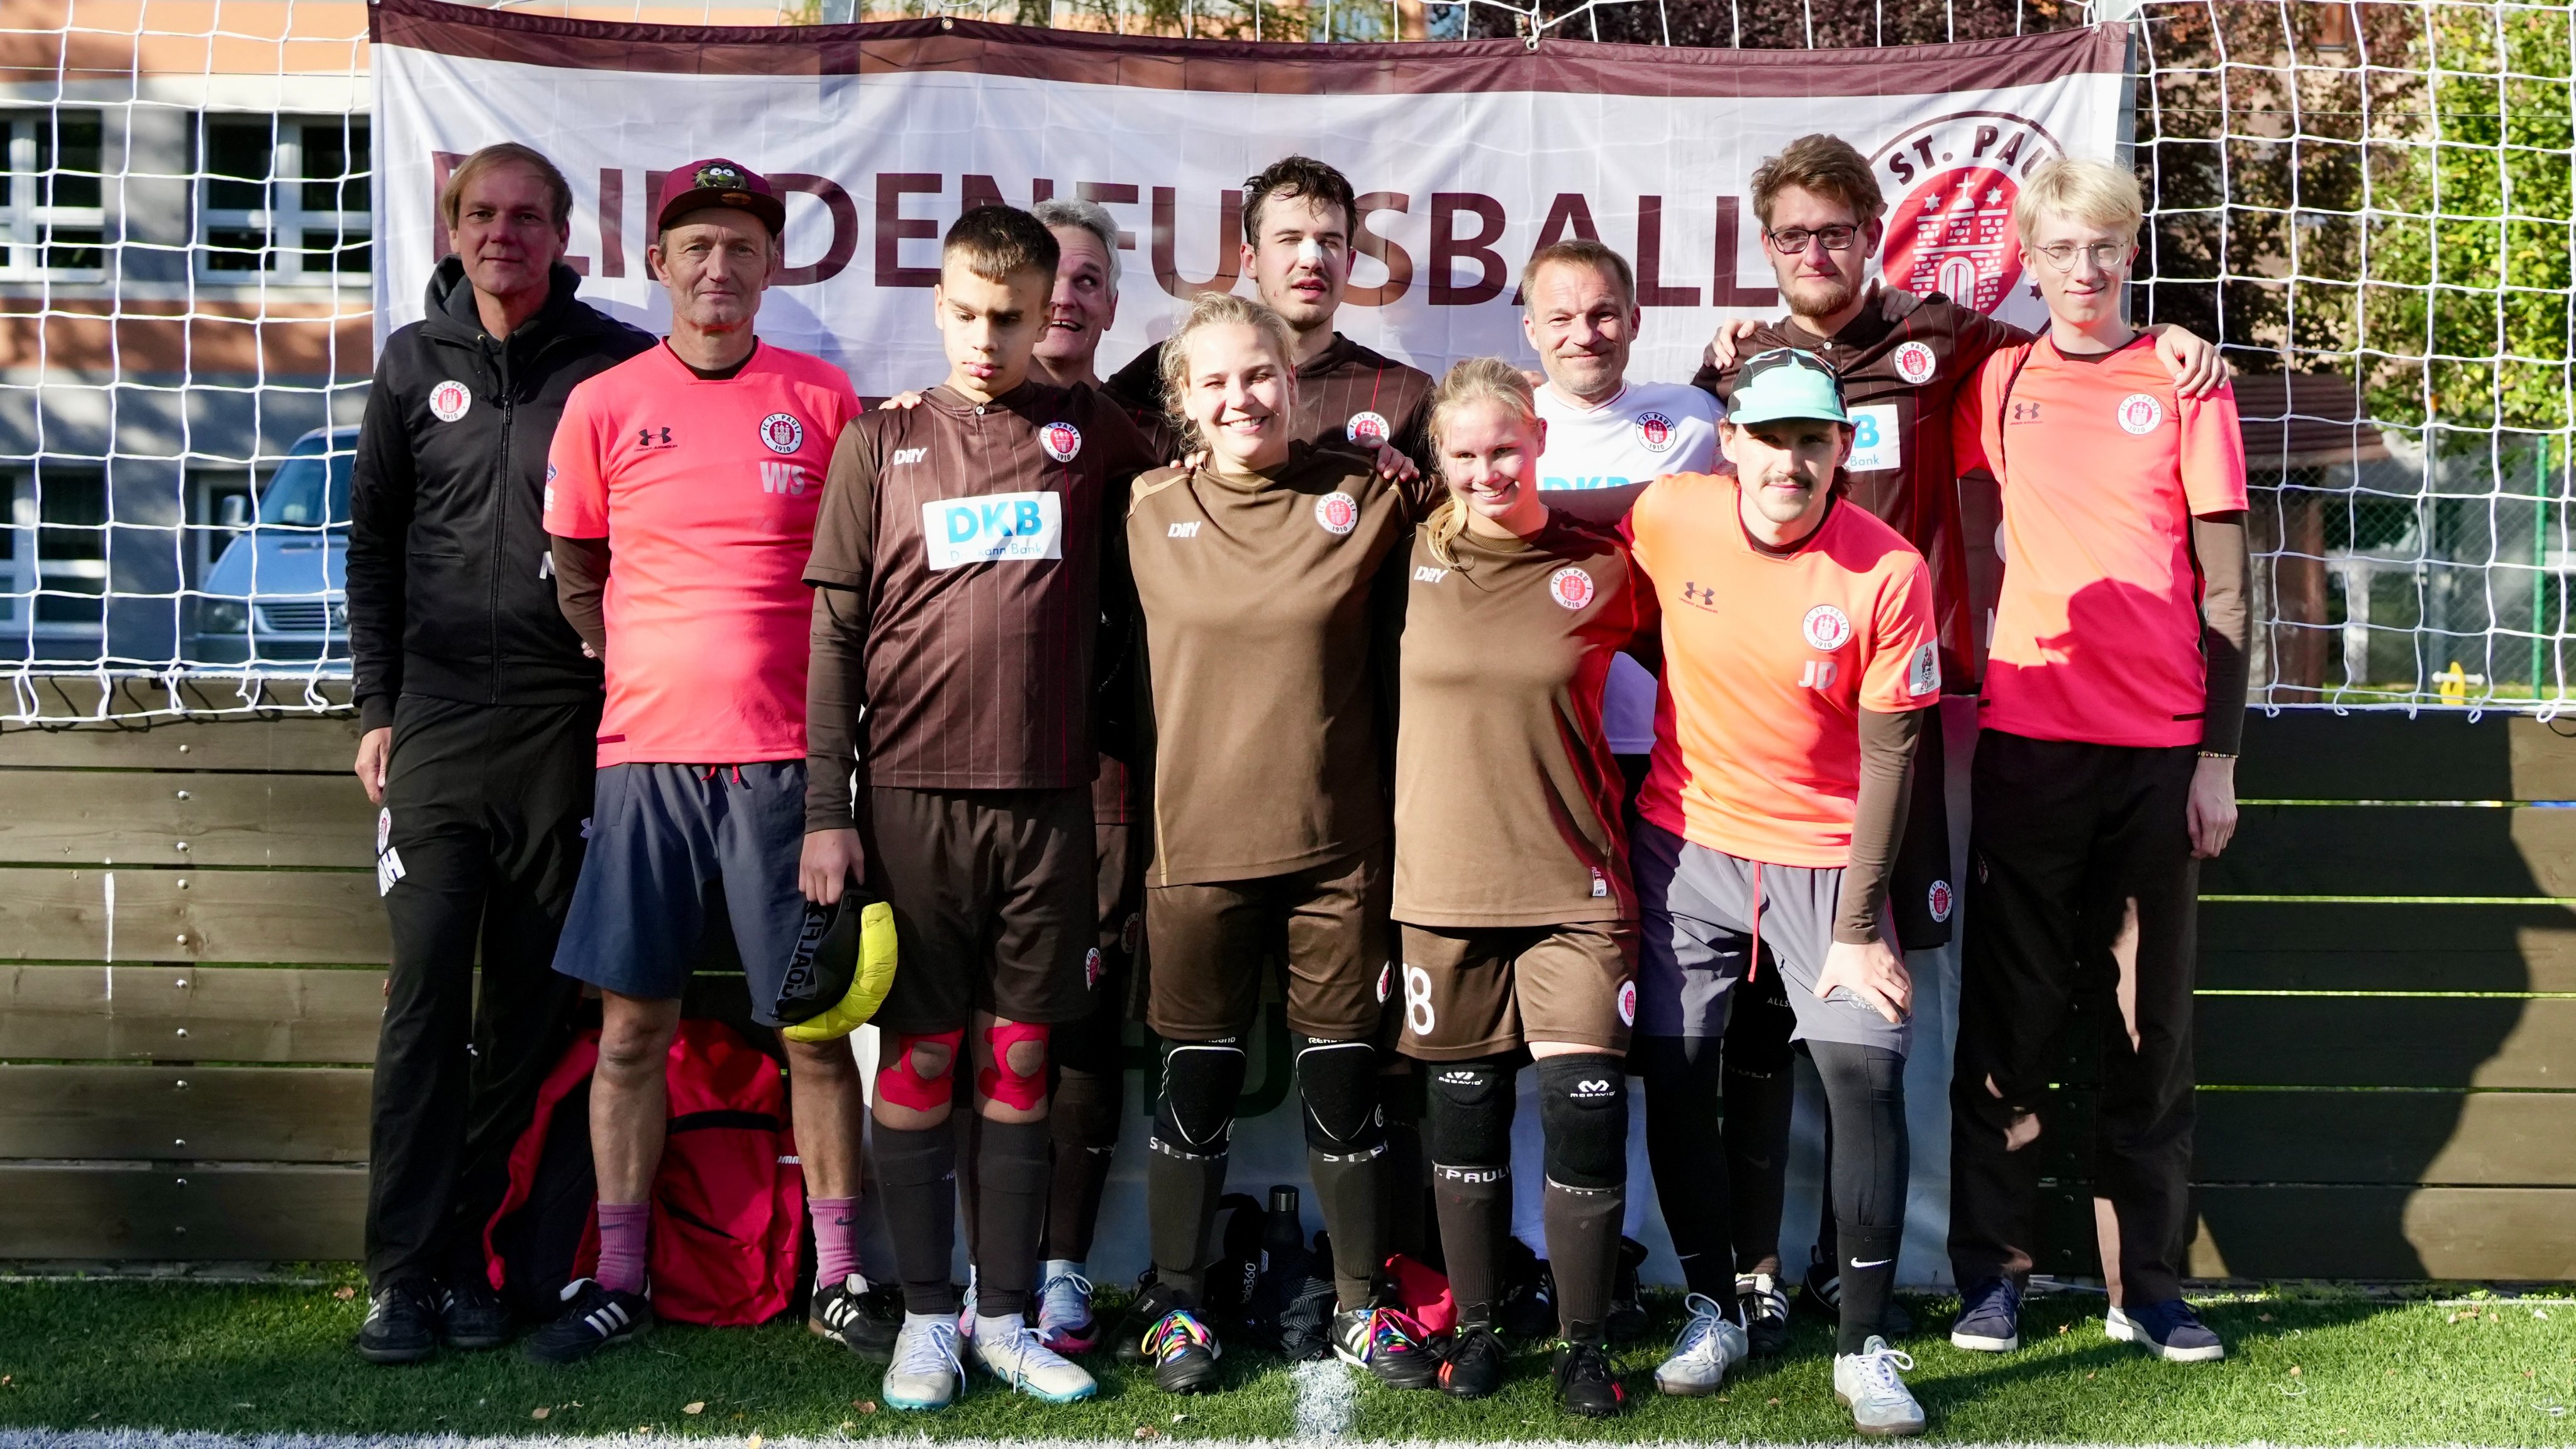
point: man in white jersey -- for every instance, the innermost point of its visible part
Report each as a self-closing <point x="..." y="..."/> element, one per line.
<point x="1604" y="431"/>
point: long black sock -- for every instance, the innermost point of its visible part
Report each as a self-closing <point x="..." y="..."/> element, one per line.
<point x="1348" y="1189"/>
<point x="1185" y="1164"/>
<point x="1185" y="1190"/>
<point x="1761" y="1090"/>
<point x="1409" y="1185"/>
<point x="1583" y="1253"/>
<point x="1683" y="1096"/>
<point x="917" y="1171"/>
<point x="1865" y="1093"/>
<point x="1011" y="1193"/>
<point x="1083" y="1124"/>
<point x="1475" y="1208"/>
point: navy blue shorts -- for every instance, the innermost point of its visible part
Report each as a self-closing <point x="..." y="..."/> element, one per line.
<point x="659" y="836"/>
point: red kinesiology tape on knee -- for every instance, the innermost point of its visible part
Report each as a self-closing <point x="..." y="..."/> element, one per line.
<point x="900" y="1079"/>
<point x="1003" y="1081"/>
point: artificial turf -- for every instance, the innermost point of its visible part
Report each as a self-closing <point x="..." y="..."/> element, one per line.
<point x="2319" y="1368"/>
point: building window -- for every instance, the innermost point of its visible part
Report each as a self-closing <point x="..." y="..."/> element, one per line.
<point x="53" y="225"/>
<point x="54" y="561"/>
<point x="284" y="199"/>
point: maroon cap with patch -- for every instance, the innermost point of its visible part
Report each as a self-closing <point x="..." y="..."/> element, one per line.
<point x="718" y="182"/>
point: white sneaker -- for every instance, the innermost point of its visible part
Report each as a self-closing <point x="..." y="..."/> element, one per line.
<point x="1709" y="1345"/>
<point x="925" y="1373"/>
<point x="1009" y="1350"/>
<point x="1868" y="1385"/>
<point x="1065" y="1320"/>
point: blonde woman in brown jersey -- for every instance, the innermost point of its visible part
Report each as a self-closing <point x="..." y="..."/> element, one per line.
<point x="1519" y="925"/>
<point x="1266" y="574"/>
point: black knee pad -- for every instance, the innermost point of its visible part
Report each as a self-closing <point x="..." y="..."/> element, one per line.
<point x="1201" y="1082"/>
<point x="1470" y="1116"/>
<point x="1583" y="1109"/>
<point x="1337" y="1081"/>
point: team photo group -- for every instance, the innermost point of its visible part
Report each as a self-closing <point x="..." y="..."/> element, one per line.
<point x="1529" y="725"/>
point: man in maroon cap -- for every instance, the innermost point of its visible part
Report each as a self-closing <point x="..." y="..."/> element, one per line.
<point x="681" y="495"/>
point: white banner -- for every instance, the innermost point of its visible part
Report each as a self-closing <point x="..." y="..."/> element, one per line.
<point x="1468" y="155"/>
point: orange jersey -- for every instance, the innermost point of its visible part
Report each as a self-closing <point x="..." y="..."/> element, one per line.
<point x="706" y="491"/>
<point x="2102" y="466"/>
<point x="1769" y="658"/>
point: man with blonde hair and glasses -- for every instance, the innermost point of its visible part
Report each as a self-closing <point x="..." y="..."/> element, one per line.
<point x="2106" y="765"/>
<point x="1823" y="219"/>
<point x="476" y="704"/>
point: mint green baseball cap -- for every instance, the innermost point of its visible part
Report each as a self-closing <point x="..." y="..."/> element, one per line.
<point x="1786" y="383"/>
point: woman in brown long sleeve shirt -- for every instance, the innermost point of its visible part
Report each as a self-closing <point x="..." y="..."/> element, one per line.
<point x="1266" y="576"/>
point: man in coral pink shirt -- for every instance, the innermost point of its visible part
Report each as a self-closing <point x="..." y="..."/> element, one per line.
<point x="681" y="493"/>
<point x="2114" y="700"/>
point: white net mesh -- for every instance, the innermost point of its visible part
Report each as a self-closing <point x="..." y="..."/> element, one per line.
<point x="2369" y="205"/>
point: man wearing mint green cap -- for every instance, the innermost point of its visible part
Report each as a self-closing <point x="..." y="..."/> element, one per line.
<point x="1799" y="655"/>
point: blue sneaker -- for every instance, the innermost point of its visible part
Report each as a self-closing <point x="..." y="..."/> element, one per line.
<point x="1989" y="1317"/>
<point x="2169" y="1330"/>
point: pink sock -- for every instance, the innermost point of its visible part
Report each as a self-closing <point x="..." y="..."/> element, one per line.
<point x="621" y="1245"/>
<point x="836" y="1238"/>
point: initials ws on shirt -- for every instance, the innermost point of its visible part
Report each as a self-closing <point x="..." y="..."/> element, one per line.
<point x="706" y="490"/>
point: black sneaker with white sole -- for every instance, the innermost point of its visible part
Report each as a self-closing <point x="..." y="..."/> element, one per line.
<point x="470" y="1315"/>
<point x="593" y="1319"/>
<point x="862" y="1319"/>
<point x="402" y="1324"/>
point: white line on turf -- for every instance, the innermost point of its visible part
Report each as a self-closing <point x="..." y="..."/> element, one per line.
<point x="1327" y="1394"/>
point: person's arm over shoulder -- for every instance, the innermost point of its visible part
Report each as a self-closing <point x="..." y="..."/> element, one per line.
<point x="381" y="491"/>
<point x="1139" y="385"/>
<point x="1976" y="443"/>
<point x="1645" y="642"/>
<point x="2213" y="482"/>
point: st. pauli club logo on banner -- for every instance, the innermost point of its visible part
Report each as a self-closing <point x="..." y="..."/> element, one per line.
<point x="1951" y="231"/>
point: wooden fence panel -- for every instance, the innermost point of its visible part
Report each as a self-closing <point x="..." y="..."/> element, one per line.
<point x="282" y="917"/>
<point x="185" y="1113"/>
<point x="206" y="1210"/>
<point x="188" y="1014"/>
<point x="153" y="818"/>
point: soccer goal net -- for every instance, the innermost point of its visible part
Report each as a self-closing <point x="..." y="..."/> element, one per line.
<point x="2367" y="204"/>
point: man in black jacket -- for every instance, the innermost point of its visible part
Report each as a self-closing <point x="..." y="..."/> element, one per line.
<point x="479" y="705"/>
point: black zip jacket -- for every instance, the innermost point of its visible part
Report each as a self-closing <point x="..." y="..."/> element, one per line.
<point x="451" y="585"/>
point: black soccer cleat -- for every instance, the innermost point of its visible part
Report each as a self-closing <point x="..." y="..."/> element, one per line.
<point x="1154" y="1301"/>
<point x="1585" y="1385"/>
<point x="862" y="1319"/>
<point x="402" y="1324"/>
<point x="1766" y="1313"/>
<point x="1183" y="1350"/>
<point x="1474" y="1367"/>
<point x="470" y="1315"/>
<point x="1389" y="1343"/>
<point x="593" y="1318"/>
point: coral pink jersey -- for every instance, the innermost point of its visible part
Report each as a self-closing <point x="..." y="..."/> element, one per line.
<point x="706" y="491"/>
<point x="1769" y="658"/>
<point x="2102" y="466"/>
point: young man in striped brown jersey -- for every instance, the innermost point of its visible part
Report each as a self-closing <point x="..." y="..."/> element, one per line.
<point x="1300" y="218"/>
<point x="1823" y="219"/>
<point x="957" y="566"/>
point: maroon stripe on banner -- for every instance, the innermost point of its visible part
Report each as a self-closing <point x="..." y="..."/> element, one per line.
<point x="1235" y="67"/>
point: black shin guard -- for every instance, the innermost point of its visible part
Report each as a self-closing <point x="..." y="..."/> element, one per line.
<point x="1011" y="1196"/>
<point x="1468" y="1121"/>
<point x="1346" y="1156"/>
<point x="917" y="1173"/>
<point x="1865" y="1094"/>
<point x="1684" y="1094"/>
<point x="1409" y="1211"/>
<point x="1583" y="1110"/>
<point x="1083" y="1124"/>
<point x="1185" y="1173"/>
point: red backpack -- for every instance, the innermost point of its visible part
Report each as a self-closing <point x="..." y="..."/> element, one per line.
<point x="728" y="1200"/>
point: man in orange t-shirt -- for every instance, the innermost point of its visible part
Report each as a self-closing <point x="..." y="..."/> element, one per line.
<point x="1799" y="658"/>
<point x="2114" y="700"/>
<point x="681" y="494"/>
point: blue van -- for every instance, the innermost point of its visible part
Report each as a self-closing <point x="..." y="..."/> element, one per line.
<point x="276" y="595"/>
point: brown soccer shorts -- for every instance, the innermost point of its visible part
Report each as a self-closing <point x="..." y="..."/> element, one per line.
<point x="1482" y="991"/>
<point x="992" y="897"/>
<point x="1327" y="924"/>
